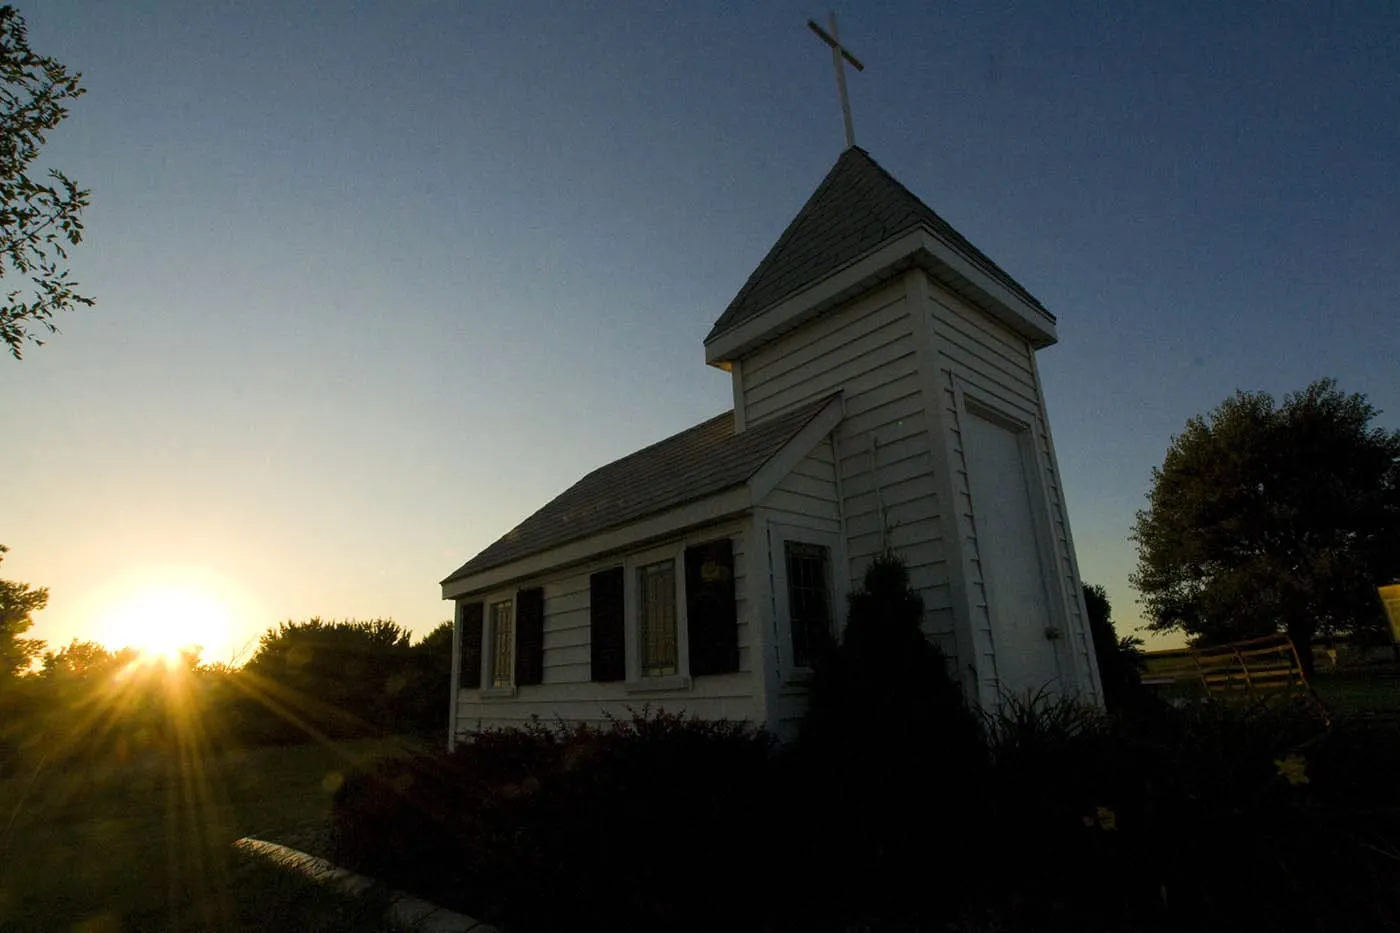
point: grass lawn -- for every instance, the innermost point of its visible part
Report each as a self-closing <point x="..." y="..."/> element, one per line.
<point x="1357" y="690"/>
<point x="146" y="845"/>
<point x="1360" y="690"/>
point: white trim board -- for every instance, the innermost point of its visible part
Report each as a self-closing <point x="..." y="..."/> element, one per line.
<point x="801" y="444"/>
<point x="727" y="504"/>
<point x="926" y="340"/>
<point x="919" y="247"/>
<point x="971" y="402"/>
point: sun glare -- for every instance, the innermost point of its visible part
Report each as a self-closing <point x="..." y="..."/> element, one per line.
<point x="161" y="622"/>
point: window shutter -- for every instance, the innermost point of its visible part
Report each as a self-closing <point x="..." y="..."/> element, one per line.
<point x="711" y="613"/>
<point x="608" y="638"/>
<point x="470" y="673"/>
<point x="529" y="637"/>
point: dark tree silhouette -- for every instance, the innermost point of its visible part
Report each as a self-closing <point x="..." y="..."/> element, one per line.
<point x="84" y="659"/>
<point x="420" y="703"/>
<point x="40" y="217"/>
<point x="887" y="740"/>
<point x="886" y="679"/>
<point x="1266" y="518"/>
<point x="346" y="677"/>
<point x="1119" y="657"/>
<point x="335" y="662"/>
<point x="18" y="602"/>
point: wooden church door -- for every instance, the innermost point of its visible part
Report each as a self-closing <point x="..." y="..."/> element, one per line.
<point x="1013" y="571"/>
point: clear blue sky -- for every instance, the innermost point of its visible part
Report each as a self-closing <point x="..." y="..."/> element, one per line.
<point x="377" y="280"/>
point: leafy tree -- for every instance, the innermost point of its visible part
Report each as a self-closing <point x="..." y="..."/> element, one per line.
<point x="335" y="675"/>
<point x="421" y="704"/>
<point x="18" y="601"/>
<point x="79" y="659"/>
<point x="437" y="645"/>
<point x="39" y="218"/>
<point x="1119" y="658"/>
<point x="323" y="655"/>
<point x="294" y="645"/>
<point x="83" y="659"/>
<point x="1266" y="518"/>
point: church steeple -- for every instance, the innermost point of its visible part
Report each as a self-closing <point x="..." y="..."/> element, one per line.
<point x="857" y="208"/>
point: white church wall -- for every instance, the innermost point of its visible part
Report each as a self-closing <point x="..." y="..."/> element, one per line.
<point x="866" y="350"/>
<point x="568" y="693"/>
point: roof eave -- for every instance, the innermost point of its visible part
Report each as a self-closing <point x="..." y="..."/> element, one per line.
<point x="918" y="246"/>
<point x="703" y="510"/>
<point x="715" y="507"/>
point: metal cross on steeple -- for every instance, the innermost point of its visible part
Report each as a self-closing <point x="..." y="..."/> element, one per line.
<point x="838" y="52"/>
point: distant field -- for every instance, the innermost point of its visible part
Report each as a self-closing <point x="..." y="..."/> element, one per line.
<point x="147" y="846"/>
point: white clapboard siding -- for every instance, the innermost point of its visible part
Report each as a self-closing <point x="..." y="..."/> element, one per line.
<point x="996" y="364"/>
<point x="808" y="494"/>
<point x="866" y="350"/>
<point x="567" y="692"/>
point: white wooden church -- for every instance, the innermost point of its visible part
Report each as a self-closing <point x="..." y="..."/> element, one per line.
<point x="886" y="396"/>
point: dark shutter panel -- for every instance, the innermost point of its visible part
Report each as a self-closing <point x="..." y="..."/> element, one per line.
<point x="608" y="638"/>
<point x="470" y="676"/>
<point x="710" y="610"/>
<point x="529" y="637"/>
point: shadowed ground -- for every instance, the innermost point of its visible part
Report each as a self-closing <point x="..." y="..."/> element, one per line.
<point x="146" y="843"/>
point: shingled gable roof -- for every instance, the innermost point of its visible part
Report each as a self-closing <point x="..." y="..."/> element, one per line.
<point x="698" y="462"/>
<point x="856" y="208"/>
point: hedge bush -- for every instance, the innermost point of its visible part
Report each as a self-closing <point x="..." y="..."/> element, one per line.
<point x="651" y="823"/>
<point x="898" y="810"/>
<point x="882" y="783"/>
<point x="1209" y="818"/>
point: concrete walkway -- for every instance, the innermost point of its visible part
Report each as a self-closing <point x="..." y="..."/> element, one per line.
<point x="406" y="912"/>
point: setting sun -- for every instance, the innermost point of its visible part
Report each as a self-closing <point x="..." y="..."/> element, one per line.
<point x="160" y="622"/>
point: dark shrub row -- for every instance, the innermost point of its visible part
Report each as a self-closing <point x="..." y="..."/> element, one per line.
<point x="1206" y="820"/>
<point x="1210" y="818"/>
<point x="899" y="810"/>
<point x="648" y="824"/>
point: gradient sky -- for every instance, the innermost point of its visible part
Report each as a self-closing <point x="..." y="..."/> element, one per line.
<point x="374" y="281"/>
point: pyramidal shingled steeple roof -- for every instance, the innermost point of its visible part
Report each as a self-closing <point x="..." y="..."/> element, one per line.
<point x="856" y="208"/>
